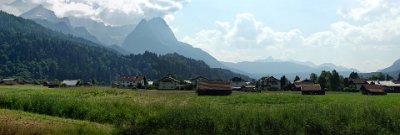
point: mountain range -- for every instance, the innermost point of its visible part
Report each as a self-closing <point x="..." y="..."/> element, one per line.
<point x="277" y="68"/>
<point x="31" y="51"/>
<point x="48" y="19"/>
<point x="154" y="35"/>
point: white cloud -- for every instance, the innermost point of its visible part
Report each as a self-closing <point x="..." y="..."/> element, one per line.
<point x="113" y="12"/>
<point x="347" y="42"/>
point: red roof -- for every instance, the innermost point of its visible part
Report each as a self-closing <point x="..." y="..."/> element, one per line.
<point x="373" y="88"/>
<point x="213" y="85"/>
<point x="131" y="78"/>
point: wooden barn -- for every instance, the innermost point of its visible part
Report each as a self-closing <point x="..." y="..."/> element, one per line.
<point x="369" y="89"/>
<point x="213" y="88"/>
<point x="312" y="89"/>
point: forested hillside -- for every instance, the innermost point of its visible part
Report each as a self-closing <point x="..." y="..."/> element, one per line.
<point x="30" y="51"/>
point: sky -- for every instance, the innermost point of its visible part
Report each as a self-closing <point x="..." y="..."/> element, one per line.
<point x="361" y="34"/>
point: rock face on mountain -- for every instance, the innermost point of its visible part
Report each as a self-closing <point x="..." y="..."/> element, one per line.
<point x="156" y="36"/>
<point x="48" y="19"/>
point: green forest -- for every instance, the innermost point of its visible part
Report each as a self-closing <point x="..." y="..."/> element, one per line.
<point x="31" y="52"/>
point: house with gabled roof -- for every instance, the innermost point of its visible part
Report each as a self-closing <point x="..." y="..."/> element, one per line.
<point x="269" y="83"/>
<point x="168" y="83"/>
<point x="369" y="89"/>
<point x="131" y="81"/>
<point x="312" y="89"/>
<point x="357" y="83"/>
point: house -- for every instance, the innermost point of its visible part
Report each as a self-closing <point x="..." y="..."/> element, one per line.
<point x="52" y="84"/>
<point x="237" y="83"/>
<point x="168" y="83"/>
<point x="369" y="89"/>
<point x="298" y="84"/>
<point x="213" y="88"/>
<point x="312" y="89"/>
<point x="9" y="81"/>
<point x="389" y="86"/>
<point x="70" y="83"/>
<point x="357" y="83"/>
<point x="131" y="81"/>
<point x="269" y="83"/>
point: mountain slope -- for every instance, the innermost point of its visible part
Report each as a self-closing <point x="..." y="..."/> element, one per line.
<point x="107" y="35"/>
<point x="30" y="51"/>
<point x="48" y="19"/>
<point x="156" y="36"/>
<point x="393" y="68"/>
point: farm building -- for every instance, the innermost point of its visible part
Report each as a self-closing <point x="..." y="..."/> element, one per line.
<point x="298" y="84"/>
<point x="168" y="83"/>
<point x="131" y="81"/>
<point x="368" y="89"/>
<point x="357" y="83"/>
<point x="237" y="83"/>
<point x="389" y="86"/>
<point x="269" y="83"/>
<point x="312" y="89"/>
<point x="198" y="79"/>
<point x="213" y="88"/>
<point x="9" y="81"/>
<point x="52" y="84"/>
<point x="70" y="83"/>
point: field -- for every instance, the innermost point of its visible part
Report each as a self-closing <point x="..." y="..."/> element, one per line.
<point x="117" y="111"/>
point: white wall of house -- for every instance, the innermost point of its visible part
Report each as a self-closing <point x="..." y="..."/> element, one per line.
<point x="131" y="83"/>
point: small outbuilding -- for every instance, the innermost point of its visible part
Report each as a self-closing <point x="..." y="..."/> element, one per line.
<point x="52" y="84"/>
<point x="213" y="88"/>
<point x="312" y="89"/>
<point x="369" y="89"/>
<point x="70" y="83"/>
<point x="9" y="81"/>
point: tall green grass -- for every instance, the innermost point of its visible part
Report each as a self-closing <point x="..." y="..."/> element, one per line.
<point x="22" y="123"/>
<point x="175" y="112"/>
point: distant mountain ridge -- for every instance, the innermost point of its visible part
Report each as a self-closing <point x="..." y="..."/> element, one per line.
<point x="31" y="51"/>
<point x="278" y="68"/>
<point x="156" y="36"/>
<point x="48" y="19"/>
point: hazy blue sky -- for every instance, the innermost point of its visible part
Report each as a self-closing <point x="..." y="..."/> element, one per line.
<point x="362" y="34"/>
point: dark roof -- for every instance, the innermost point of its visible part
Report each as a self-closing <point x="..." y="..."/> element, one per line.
<point x="358" y="81"/>
<point x="270" y="79"/>
<point x="302" y="83"/>
<point x="311" y="87"/>
<point x="131" y="78"/>
<point x="213" y="85"/>
<point x="373" y="88"/>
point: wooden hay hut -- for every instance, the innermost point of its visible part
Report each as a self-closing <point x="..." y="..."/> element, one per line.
<point x="213" y="88"/>
<point x="312" y="89"/>
<point x="369" y="89"/>
<point x="52" y="84"/>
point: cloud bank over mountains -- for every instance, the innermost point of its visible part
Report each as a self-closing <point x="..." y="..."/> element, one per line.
<point x="111" y="12"/>
<point x="363" y="38"/>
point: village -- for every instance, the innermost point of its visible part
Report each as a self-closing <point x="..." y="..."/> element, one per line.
<point x="205" y="86"/>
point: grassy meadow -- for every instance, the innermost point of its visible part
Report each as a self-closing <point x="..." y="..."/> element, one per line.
<point x="119" y="111"/>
